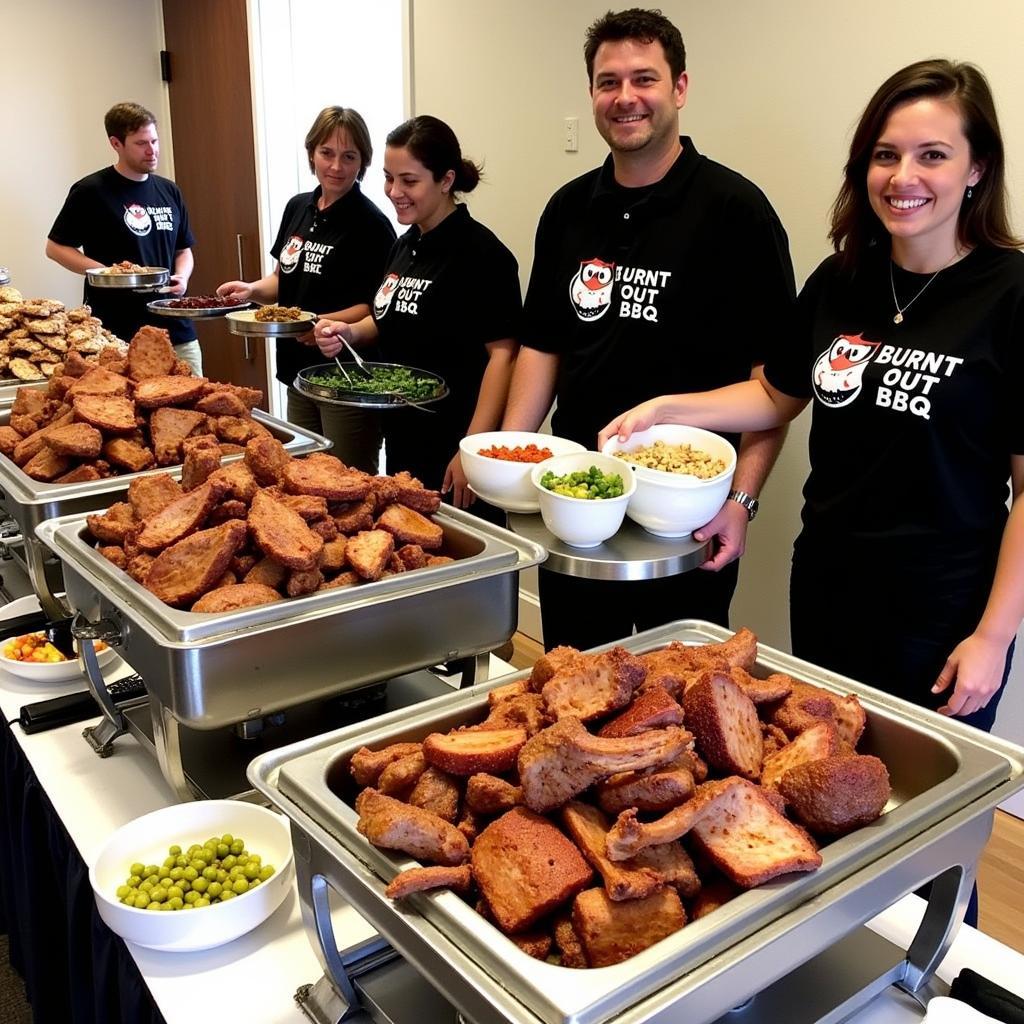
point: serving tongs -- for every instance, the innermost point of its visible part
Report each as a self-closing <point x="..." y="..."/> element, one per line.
<point x="362" y="366"/>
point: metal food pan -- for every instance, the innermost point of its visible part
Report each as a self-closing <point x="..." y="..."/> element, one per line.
<point x="218" y="669"/>
<point x="244" y="322"/>
<point x="943" y="773"/>
<point x="361" y="399"/>
<point x="163" y="307"/>
<point x="147" y="277"/>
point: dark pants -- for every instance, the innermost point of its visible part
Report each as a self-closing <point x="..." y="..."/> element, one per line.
<point x="355" y="433"/>
<point x="586" y="613"/>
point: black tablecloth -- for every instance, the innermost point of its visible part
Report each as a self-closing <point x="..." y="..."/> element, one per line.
<point x="76" y="970"/>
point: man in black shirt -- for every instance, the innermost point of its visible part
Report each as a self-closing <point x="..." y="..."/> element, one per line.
<point x="127" y="212"/>
<point x="659" y="271"/>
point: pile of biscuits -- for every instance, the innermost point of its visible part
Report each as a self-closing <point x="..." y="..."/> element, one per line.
<point x="36" y="335"/>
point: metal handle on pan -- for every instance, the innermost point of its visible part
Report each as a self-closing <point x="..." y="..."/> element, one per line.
<point x="100" y="737"/>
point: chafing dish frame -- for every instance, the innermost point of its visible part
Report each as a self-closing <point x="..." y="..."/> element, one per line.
<point x="713" y="964"/>
<point x="207" y="671"/>
<point x="31" y="502"/>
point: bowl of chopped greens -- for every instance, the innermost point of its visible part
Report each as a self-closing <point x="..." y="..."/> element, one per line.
<point x="378" y="386"/>
<point x="583" y="496"/>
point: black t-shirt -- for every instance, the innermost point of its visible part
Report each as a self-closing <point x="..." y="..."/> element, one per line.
<point x="678" y="286"/>
<point x="444" y="297"/>
<point x="913" y="424"/>
<point x="112" y="218"/>
<point x="327" y="260"/>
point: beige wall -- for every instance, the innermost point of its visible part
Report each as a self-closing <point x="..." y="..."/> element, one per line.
<point x="63" y="65"/>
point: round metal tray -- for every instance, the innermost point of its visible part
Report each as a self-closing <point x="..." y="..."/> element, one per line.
<point x="337" y="396"/>
<point x="161" y="307"/>
<point x="150" y="277"/>
<point x="244" y="322"/>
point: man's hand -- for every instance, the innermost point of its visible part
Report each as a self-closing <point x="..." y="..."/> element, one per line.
<point x="455" y="480"/>
<point x="177" y="284"/>
<point x="728" y="533"/>
<point x="327" y="334"/>
<point x="640" y="417"/>
<point x="235" y="291"/>
<point x="976" y="668"/>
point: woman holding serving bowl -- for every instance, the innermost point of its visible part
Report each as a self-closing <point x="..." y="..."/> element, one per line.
<point x="907" y="574"/>
<point x="449" y="303"/>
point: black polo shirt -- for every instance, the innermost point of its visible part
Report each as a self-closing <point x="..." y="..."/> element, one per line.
<point x="113" y="218"/>
<point x="444" y="297"/>
<point x="679" y="286"/>
<point x="327" y="260"/>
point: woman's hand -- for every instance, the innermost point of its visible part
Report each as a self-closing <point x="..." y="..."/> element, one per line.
<point x="455" y="481"/>
<point x="235" y="291"/>
<point x="640" y="417"/>
<point x="327" y="334"/>
<point x="976" y="668"/>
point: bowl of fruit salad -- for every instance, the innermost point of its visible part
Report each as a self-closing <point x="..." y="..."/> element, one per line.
<point x="31" y="656"/>
<point x="195" y="875"/>
<point x="583" y="496"/>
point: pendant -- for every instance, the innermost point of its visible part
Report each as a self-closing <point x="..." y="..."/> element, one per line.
<point x="898" y="318"/>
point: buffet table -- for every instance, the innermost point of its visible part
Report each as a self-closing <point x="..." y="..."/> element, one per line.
<point x="70" y="801"/>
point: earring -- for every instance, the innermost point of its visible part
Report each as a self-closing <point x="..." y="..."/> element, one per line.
<point x="970" y="192"/>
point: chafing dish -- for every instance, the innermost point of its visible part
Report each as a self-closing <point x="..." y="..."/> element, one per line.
<point x="204" y="672"/>
<point x="30" y="502"/>
<point x="947" y="779"/>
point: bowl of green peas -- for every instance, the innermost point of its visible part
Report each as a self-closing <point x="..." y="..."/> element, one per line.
<point x="193" y="876"/>
<point x="583" y="496"/>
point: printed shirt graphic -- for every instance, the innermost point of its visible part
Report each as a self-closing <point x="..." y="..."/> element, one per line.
<point x="838" y="372"/>
<point x="591" y="289"/>
<point x="290" y="254"/>
<point x="385" y="293"/>
<point x="137" y="219"/>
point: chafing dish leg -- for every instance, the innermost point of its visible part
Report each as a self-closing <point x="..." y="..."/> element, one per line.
<point x="100" y="737"/>
<point x="475" y="670"/>
<point x="167" y="741"/>
<point x="35" y="562"/>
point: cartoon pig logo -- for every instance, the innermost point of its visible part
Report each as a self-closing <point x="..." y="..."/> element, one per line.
<point x="591" y="289"/>
<point x="137" y="219"/>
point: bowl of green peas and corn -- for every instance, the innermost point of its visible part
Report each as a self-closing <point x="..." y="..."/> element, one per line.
<point x="193" y="876"/>
<point x="583" y="496"/>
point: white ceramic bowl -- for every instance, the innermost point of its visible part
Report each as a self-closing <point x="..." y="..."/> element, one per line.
<point x="49" y="671"/>
<point x="582" y="522"/>
<point x="507" y="484"/>
<point x="675" y="504"/>
<point x="148" y="838"/>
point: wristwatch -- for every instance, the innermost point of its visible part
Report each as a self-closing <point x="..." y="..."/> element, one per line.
<point x="747" y="501"/>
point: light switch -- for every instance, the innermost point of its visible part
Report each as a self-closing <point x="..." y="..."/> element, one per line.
<point x="572" y="134"/>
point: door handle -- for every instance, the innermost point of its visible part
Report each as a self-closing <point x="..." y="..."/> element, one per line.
<point x="238" y="248"/>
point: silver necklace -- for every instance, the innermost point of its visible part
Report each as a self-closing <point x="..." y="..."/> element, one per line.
<point x="900" y="310"/>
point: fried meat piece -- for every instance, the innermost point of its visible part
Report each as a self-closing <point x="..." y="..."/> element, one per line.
<point x="570" y="949"/>
<point x="237" y="429"/>
<point x="816" y="742"/>
<point x="675" y="666"/>
<point x="235" y="596"/>
<point x="623" y="880"/>
<point x="507" y="692"/>
<point x="34" y="443"/>
<point x="725" y="725"/>
<point x="138" y="567"/>
<point x="168" y="427"/>
<point x="343" y="579"/>
<point x="564" y="759"/>
<point x="308" y="506"/>
<point x="366" y="765"/>
<point x="410" y="492"/>
<point x="526" y="711"/>
<point x="438" y="792"/>
<point x="9" y="440"/>
<point x="355" y="518"/>
<point x="268" y="573"/>
<point x="412" y="556"/>
<point x="651" y="709"/>
<point x="150" y="494"/>
<point x="28" y="402"/>
<point x="107" y="412"/>
<point x="332" y="557"/>
<point x="400" y="776"/>
<point x="128" y="453"/>
<point x="46" y="465"/>
<point x="535" y="944"/>
<point x="113" y="553"/>
<point x="525" y="868"/>
<point x="834" y="795"/>
<point x="111" y="526"/>
<point x="368" y="552"/>
<point x="190" y="567"/>
<point x="807" y="704"/>
<point x="154" y="392"/>
<point x="712" y="895"/>
<point x="325" y="476"/>
<point x="383" y="492"/>
<point x="221" y="402"/>
<point x="611" y="932"/>
<point x="23" y="424"/>
<point x="593" y="685"/>
<point x="181" y="517"/>
<point x="199" y="464"/>
<point x="99" y="381"/>
<point x="80" y="474"/>
<point x="487" y="794"/>
<point x="762" y="691"/>
<point x="266" y="458"/>
<point x="469" y="751"/>
<point x="393" y="825"/>
<point x="411" y="880"/>
<point x="150" y="353"/>
<point x="646" y="791"/>
<point x="241" y="484"/>
<point x="280" y="533"/>
<point x="409" y="527"/>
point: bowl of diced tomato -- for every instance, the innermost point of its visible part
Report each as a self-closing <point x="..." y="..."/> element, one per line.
<point x="33" y="657"/>
<point x="497" y="464"/>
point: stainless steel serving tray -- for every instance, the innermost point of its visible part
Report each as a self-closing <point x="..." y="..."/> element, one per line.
<point x="163" y="307"/>
<point x="244" y="322"/>
<point x="942" y="774"/>
<point x="148" y="277"/>
<point x="218" y="669"/>
<point x="361" y="399"/>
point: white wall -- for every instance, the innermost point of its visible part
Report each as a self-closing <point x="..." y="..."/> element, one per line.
<point x="774" y="91"/>
<point x="63" y="65"/>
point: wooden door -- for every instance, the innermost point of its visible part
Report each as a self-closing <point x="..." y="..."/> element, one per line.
<point x="215" y="166"/>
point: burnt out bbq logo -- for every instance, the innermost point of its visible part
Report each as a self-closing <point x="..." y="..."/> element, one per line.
<point x="838" y="371"/>
<point x="591" y="289"/>
<point x="137" y="219"/>
<point x="385" y="293"/>
<point x="290" y="254"/>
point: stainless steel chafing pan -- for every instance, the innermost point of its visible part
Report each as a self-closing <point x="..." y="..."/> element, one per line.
<point x="947" y="779"/>
<point x="206" y="671"/>
<point x="30" y="502"/>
